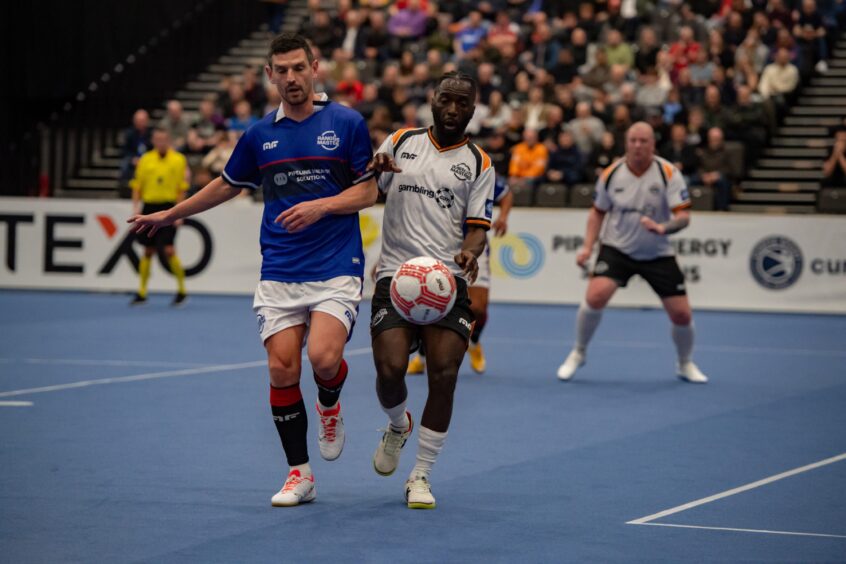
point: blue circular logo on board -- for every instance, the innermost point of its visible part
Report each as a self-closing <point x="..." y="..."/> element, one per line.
<point x="521" y="255"/>
<point x="776" y="262"/>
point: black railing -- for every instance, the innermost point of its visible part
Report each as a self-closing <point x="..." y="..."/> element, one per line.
<point x="46" y="154"/>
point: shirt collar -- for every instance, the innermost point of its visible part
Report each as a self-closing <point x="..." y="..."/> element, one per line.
<point x="319" y="104"/>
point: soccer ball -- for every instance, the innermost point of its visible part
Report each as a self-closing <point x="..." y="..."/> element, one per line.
<point x="423" y="290"/>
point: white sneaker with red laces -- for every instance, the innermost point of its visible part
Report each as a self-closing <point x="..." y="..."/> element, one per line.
<point x="331" y="436"/>
<point x="297" y="489"/>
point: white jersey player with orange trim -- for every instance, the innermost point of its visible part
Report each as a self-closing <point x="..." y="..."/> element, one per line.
<point x="626" y="197"/>
<point x="428" y="204"/>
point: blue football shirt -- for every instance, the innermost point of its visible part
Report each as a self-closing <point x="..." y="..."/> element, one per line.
<point x="294" y="162"/>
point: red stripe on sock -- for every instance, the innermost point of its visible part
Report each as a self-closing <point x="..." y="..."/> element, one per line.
<point x="283" y="397"/>
<point x="339" y="377"/>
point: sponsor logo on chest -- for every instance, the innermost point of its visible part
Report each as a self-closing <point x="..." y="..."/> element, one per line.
<point x="461" y="171"/>
<point x="329" y="140"/>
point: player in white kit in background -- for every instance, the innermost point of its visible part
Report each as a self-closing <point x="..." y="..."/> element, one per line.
<point x="640" y="200"/>
<point x="439" y="201"/>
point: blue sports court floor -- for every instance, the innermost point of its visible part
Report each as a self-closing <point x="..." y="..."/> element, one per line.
<point x="144" y="435"/>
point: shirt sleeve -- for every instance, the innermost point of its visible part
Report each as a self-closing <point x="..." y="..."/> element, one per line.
<point x="242" y="168"/>
<point x="480" y="203"/>
<point x="678" y="196"/>
<point x="501" y="188"/>
<point x="601" y="200"/>
<point x="384" y="179"/>
<point x="361" y="152"/>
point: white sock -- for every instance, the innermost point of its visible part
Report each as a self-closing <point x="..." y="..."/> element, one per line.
<point x="399" y="420"/>
<point x="587" y="320"/>
<point x="429" y="445"/>
<point x="683" y="338"/>
<point x="305" y="469"/>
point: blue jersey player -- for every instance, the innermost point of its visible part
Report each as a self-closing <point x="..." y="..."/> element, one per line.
<point x="309" y="158"/>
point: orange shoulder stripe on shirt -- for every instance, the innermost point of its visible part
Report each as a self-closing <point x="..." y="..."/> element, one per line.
<point x="395" y="137"/>
<point x="486" y="160"/>
<point x="609" y="169"/>
<point x="668" y="170"/>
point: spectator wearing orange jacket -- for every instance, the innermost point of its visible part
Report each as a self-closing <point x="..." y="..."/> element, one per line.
<point x="528" y="159"/>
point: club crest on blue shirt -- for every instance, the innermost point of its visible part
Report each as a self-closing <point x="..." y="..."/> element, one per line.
<point x="280" y="179"/>
<point x="328" y="140"/>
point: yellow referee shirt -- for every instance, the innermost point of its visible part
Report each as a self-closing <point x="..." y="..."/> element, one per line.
<point x="159" y="179"/>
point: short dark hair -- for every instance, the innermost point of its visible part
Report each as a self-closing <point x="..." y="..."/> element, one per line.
<point x="459" y="76"/>
<point x="287" y="42"/>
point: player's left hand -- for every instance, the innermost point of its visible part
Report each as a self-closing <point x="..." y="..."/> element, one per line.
<point x="150" y="222"/>
<point x="650" y="225"/>
<point x="500" y="227"/>
<point x="383" y="162"/>
<point x="468" y="263"/>
<point x="298" y="217"/>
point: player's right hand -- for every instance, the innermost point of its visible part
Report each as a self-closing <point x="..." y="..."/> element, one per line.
<point x="153" y="222"/>
<point x="582" y="256"/>
<point x="383" y="162"/>
<point x="500" y="227"/>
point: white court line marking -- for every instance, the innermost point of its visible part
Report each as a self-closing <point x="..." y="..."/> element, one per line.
<point x="153" y="376"/>
<point x="93" y="362"/>
<point x="735" y="491"/>
<point x="761" y="531"/>
<point x="15" y="403"/>
<point x="565" y="344"/>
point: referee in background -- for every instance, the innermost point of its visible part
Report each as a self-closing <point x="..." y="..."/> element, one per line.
<point x="160" y="182"/>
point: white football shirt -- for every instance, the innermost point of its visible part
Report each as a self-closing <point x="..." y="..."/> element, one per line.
<point x="439" y="191"/>
<point x="626" y="197"/>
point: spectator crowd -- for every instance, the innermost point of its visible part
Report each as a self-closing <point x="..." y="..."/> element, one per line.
<point x="560" y="81"/>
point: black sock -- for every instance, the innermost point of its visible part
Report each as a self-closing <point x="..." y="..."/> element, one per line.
<point x="289" y="414"/>
<point x="478" y="326"/>
<point x="328" y="391"/>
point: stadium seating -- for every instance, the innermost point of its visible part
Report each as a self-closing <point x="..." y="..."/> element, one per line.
<point x="551" y="195"/>
<point x="581" y="196"/>
<point x="832" y="200"/>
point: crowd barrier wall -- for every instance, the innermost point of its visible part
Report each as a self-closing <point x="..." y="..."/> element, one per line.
<point x="730" y="261"/>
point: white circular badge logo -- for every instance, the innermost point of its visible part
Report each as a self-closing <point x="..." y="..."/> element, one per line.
<point x="328" y="140"/>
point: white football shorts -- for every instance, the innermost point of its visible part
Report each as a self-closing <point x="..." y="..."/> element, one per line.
<point x="280" y="305"/>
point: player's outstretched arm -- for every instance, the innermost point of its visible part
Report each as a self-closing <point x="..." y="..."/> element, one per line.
<point x="472" y="247"/>
<point x="351" y="200"/>
<point x="500" y="226"/>
<point x="594" y="222"/>
<point x="214" y="193"/>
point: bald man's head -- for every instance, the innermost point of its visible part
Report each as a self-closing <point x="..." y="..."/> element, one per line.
<point x="640" y="145"/>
